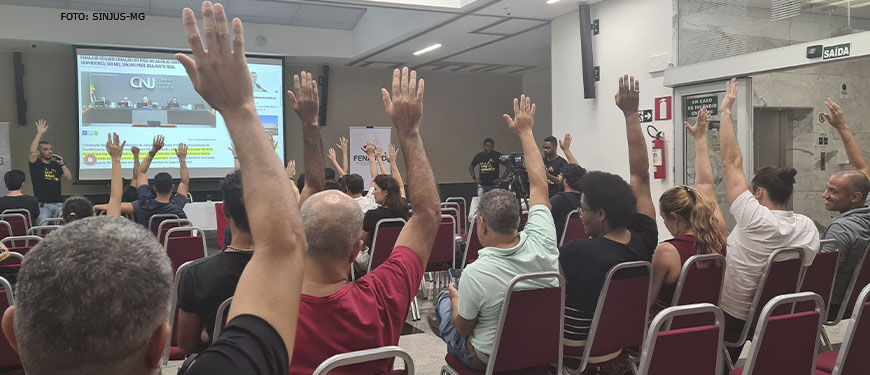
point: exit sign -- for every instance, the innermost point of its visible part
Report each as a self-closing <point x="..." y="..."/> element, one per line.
<point x="836" y="52"/>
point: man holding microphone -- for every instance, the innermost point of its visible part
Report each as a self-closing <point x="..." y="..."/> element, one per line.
<point x="46" y="170"/>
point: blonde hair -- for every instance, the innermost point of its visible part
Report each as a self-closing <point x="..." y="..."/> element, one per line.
<point x="699" y="211"/>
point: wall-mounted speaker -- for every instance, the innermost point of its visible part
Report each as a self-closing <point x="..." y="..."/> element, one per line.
<point x="18" y="72"/>
<point x="324" y="94"/>
<point x="586" y="60"/>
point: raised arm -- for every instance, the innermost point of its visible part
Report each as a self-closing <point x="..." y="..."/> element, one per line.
<point x="522" y="124"/>
<point x="335" y="164"/>
<point x="342" y="145"/>
<point x="135" y="151"/>
<point x="392" y="153"/>
<point x="41" y="128"/>
<point x="270" y="285"/>
<point x="703" y="169"/>
<point x="405" y="108"/>
<point x="369" y="149"/>
<point x="184" y="185"/>
<point x="379" y="156"/>
<point x="141" y="173"/>
<point x="837" y="119"/>
<point x="627" y="99"/>
<point x="115" y="149"/>
<point x="732" y="157"/>
<point x="565" y="144"/>
<point x="306" y="103"/>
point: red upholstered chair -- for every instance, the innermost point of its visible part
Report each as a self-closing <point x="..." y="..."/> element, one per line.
<point x="785" y="343"/>
<point x="5" y="229"/>
<point x="154" y="221"/>
<point x="19" y="223"/>
<point x="220" y="319"/>
<point x="852" y="358"/>
<point x="780" y="275"/>
<point x="520" y="346"/>
<point x="573" y="228"/>
<point x="472" y="245"/>
<point x="21" y="244"/>
<point x="187" y="245"/>
<point x="41" y="230"/>
<point x="172" y="351"/>
<point x="692" y="350"/>
<point x="860" y="277"/>
<point x="221" y="223"/>
<point x="463" y="212"/>
<point x="454" y="213"/>
<point x="386" y="233"/>
<point x="9" y="359"/>
<point x="620" y="316"/>
<point x="51" y="221"/>
<point x="168" y="224"/>
<point x="14" y="261"/>
<point x="698" y="285"/>
<point x="368" y="355"/>
<point x="442" y="256"/>
<point x="22" y="211"/>
<point x="819" y="279"/>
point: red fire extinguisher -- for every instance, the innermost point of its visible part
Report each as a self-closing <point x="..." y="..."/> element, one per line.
<point x="658" y="158"/>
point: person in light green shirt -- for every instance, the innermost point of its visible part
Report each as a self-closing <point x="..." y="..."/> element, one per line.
<point x="468" y="318"/>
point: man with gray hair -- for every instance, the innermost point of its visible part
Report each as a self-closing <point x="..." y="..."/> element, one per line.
<point x="93" y="297"/>
<point x="468" y="319"/>
<point x="846" y="193"/>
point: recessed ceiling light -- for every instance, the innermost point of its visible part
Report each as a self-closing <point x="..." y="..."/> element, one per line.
<point x="427" y="49"/>
<point x="553" y="1"/>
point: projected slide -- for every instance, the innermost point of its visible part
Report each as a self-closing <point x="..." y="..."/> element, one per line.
<point x="139" y="94"/>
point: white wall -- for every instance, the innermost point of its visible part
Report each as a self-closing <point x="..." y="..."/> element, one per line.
<point x="631" y="32"/>
<point x="537" y="85"/>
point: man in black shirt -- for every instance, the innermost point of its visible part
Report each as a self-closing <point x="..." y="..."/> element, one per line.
<point x="46" y="170"/>
<point x="569" y="200"/>
<point x="16" y="199"/>
<point x="554" y="164"/>
<point x="489" y="163"/>
<point x="165" y="202"/>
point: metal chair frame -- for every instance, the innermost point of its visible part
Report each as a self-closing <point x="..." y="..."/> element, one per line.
<point x="362" y="356"/>
<point x="664" y="319"/>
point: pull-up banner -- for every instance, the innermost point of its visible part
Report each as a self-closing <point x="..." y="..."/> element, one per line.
<point x="359" y="161"/>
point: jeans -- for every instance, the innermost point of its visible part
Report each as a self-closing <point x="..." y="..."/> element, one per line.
<point x="49" y="210"/>
<point x="482" y="189"/>
<point x="456" y="343"/>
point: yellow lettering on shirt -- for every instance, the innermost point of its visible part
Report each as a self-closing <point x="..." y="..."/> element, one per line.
<point x="50" y="175"/>
<point x="487" y="167"/>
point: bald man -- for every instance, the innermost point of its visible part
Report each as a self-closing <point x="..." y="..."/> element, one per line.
<point x="846" y="193"/>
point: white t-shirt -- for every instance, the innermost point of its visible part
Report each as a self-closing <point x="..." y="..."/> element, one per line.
<point x="758" y="233"/>
<point x="367" y="202"/>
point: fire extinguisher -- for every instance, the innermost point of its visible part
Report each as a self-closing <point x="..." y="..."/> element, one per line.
<point x="658" y="155"/>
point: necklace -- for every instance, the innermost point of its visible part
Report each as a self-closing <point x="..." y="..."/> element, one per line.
<point x="251" y="250"/>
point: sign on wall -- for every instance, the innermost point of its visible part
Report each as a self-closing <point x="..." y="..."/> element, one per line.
<point x="663" y="108"/>
<point x="359" y="161"/>
<point x="646" y="115"/>
<point x="837" y="51"/>
<point x="694" y="105"/>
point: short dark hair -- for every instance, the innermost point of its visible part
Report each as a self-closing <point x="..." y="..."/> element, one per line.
<point x="14" y="179"/>
<point x="552" y="140"/>
<point x="611" y="194"/>
<point x="353" y="183"/>
<point x="300" y="182"/>
<point x="500" y="211"/>
<point x="858" y="182"/>
<point x="572" y="173"/>
<point x="332" y="185"/>
<point x="76" y="207"/>
<point x="778" y="182"/>
<point x="163" y="183"/>
<point x="44" y="143"/>
<point x="130" y="194"/>
<point x="488" y="140"/>
<point x="234" y="200"/>
<point x="330" y="174"/>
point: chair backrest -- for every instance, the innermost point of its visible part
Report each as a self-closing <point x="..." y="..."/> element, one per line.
<point x="819" y="276"/>
<point x="14" y="260"/>
<point x="182" y="249"/>
<point x="51" y="221"/>
<point x="460" y="221"/>
<point x="473" y="245"/>
<point x="386" y="233"/>
<point x="8" y="356"/>
<point x="168" y="224"/>
<point x="155" y="220"/>
<point x="853" y="358"/>
<point x="621" y="313"/>
<point x="778" y="277"/>
<point x="220" y="318"/>
<point x="41" y="230"/>
<point x="21" y="244"/>
<point x="573" y="228"/>
<point x="529" y="333"/>
<point x="860" y="277"/>
<point x="173" y="311"/>
<point x="362" y="356"/>
<point x="454" y="216"/>
<point x="698" y="285"/>
<point x="5" y="229"/>
<point x="22" y="211"/>
<point x="786" y="343"/>
<point x="221" y="223"/>
<point x="463" y="212"/>
<point x="18" y="222"/>
<point x="688" y="350"/>
<point x="442" y="249"/>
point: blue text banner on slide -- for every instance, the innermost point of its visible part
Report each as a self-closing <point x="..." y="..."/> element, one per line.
<point x="140" y="94"/>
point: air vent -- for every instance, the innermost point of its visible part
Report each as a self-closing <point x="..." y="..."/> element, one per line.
<point x="784" y="9"/>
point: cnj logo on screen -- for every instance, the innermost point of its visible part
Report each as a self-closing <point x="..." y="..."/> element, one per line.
<point x="139" y="82"/>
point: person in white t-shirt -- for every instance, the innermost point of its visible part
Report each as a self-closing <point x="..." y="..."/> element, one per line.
<point x="353" y="186"/>
<point x="764" y="224"/>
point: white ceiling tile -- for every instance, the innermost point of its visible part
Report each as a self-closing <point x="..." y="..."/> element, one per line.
<point x="94" y="7"/>
<point x="271" y="9"/>
<point x="176" y="13"/>
<point x="125" y="3"/>
<point x="178" y="5"/>
<point x="511" y="26"/>
<point x="538" y="9"/>
<point x="323" y="24"/>
<point x="37" y="3"/>
<point x="330" y="13"/>
<point x="263" y="20"/>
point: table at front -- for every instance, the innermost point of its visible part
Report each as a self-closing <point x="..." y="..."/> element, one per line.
<point x="202" y="214"/>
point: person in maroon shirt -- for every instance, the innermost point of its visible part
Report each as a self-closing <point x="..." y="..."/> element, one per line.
<point x="337" y="316"/>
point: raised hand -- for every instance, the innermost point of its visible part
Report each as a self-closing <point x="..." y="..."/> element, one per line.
<point x="730" y="95"/>
<point x="369" y="147"/>
<point x="405" y="106"/>
<point x="291" y="168"/>
<point x="378" y="151"/>
<point x="565" y="144"/>
<point x="181" y="152"/>
<point x="837" y="118"/>
<point x="58" y="158"/>
<point x="305" y="100"/>
<point x="392" y="153"/>
<point x="342" y="144"/>
<point x="135" y="151"/>
<point x="628" y="95"/>
<point x="524" y="116"/>
<point x="41" y="127"/>
<point x="699" y="130"/>
<point x="114" y="147"/>
<point x="331" y="154"/>
<point x="219" y="73"/>
<point x="272" y="140"/>
<point x="156" y="144"/>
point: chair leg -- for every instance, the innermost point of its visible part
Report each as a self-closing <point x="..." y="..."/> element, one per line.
<point x="727" y="357"/>
<point x="826" y="342"/>
<point x="415" y="310"/>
